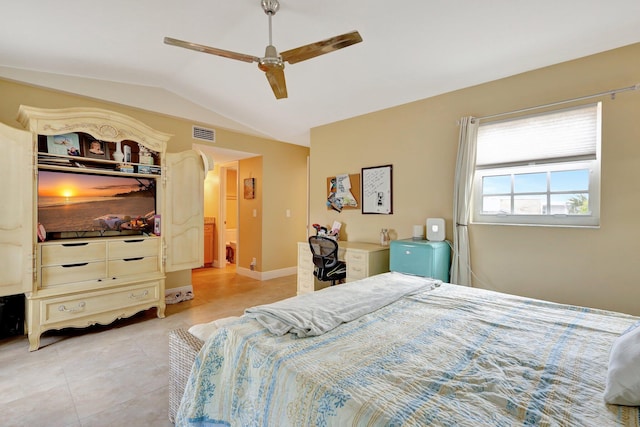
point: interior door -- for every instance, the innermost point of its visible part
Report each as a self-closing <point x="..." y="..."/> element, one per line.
<point x="16" y="211"/>
<point x="183" y="216"/>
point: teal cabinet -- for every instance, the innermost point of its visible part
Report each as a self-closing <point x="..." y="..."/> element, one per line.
<point x="421" y="258"/>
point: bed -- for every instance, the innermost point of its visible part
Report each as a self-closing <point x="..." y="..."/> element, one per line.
<point x="438" y="354"/>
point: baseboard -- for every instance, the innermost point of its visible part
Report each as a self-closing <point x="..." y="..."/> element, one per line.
<point x="266" y="275"/>
<point x="176" y="295"/>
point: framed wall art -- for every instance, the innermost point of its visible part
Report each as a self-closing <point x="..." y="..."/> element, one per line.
<point x="249" y="188"/>
<point x="377" y="190"/>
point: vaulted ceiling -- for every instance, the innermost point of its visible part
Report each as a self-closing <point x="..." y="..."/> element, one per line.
<point x="411" y="49"/>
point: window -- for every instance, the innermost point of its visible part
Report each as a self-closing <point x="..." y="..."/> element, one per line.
<point x="542" y="169"/>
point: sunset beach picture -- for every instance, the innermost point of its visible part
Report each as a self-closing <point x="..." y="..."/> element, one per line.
<point x="69" y="201"/>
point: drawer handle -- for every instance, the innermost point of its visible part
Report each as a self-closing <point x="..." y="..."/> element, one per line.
<point x="134" y="241"/>
<point x="80" y="264"/>
<point x="133" y="259"/>
<point x="141" y="295"/>
<point x="75" y="244"/>
<point x="407" y="252"/>
<point x="80" y="307"/>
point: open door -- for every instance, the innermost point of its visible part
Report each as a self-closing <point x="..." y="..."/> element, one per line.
<point x="16" y="211"/>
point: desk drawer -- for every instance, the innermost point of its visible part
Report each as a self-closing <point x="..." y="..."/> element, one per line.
<point x="70" y="273"/>
<point x="306" y="281"/>
<point x="357" y="271"/>
<point x="61" y="309"/>
<point x="357" y="265"/>
<point x="134" y="247"/>
<point x="72" y="253"/>
<point x="133" y="266"/>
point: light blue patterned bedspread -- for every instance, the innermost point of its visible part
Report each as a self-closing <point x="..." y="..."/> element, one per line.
<point x="451" y="356"/>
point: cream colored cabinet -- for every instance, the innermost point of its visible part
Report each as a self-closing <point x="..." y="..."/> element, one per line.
<point x="76" y="281"/>
<point x="16" y="211"/>
<point x="183" y="217"/>
<point x="362" y="260"/>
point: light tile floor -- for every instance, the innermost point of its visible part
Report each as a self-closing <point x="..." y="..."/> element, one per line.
<point x="117" y="375"/>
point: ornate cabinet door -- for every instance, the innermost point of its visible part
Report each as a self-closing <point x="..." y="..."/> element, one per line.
<point x="16" y="211"/>
<point x="183" y="215"/>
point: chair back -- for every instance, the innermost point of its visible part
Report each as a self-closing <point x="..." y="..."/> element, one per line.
<point x="324" y="251"/>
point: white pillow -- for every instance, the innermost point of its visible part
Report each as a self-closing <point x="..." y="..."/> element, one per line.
<point x="623" y="376"/>
<point x="203" y="331"/>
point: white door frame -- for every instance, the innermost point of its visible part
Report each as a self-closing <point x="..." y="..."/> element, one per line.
<point x="221" y="260"/>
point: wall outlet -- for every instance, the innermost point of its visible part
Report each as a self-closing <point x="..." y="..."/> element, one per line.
<point x="252" y="266"/>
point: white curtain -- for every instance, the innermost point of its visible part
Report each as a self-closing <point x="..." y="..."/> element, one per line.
<point x="465" y="168"/>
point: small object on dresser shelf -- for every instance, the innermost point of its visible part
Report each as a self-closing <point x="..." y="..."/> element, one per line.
<point x="156" y="225"/>
<point x="123" y="167"/>
<point x="155" y="170"/>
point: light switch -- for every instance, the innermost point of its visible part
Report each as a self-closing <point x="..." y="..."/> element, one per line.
<point x="288" y="213"/>
<point x="255" y="213"/>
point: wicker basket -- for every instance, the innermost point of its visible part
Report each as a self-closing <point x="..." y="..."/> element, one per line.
<point x="183" y="349"/>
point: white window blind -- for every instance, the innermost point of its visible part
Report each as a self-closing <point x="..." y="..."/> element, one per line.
<point x="562" y="135"/>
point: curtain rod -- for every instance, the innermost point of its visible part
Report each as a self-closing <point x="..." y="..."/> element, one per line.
<point x="612" y="93"/>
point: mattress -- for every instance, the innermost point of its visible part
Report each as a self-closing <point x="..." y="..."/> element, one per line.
<point x="447" y="356"/>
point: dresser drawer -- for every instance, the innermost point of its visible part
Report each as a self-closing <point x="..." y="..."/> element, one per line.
<point x="61" y="309"/>
<point x="130" y="248"/>
<point x="70" y="273"/>
<point x="133" y="266"/>
<point x="72" y="253"/>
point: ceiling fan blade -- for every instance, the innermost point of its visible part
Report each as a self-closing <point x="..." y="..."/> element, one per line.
<point x="312" y="50"/>
<point x="212" y="50"/>
<point x="275" y="76"/>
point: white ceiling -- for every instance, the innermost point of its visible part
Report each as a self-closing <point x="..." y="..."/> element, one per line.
<point x="412" y="49"/>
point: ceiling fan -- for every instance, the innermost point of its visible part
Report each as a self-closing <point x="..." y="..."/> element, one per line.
<point x="272" y="63"/>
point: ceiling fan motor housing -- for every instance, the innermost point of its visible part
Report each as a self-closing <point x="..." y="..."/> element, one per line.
<point x="271" y="59"/>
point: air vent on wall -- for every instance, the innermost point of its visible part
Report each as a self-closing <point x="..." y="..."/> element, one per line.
<point x="204" y="134"/>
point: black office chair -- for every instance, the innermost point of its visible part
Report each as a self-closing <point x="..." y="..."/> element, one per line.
<point x="325" y="258"/>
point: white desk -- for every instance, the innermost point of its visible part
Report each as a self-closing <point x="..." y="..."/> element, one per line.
<point x="362" y="259"/>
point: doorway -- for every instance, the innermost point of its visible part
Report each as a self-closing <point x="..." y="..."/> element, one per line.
<point x="215" y="196"/>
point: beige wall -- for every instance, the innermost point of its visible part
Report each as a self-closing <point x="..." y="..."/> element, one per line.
<point x="250" y="232"/>
<point x="282" y="163"/>
<point x="590" y="267"/>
